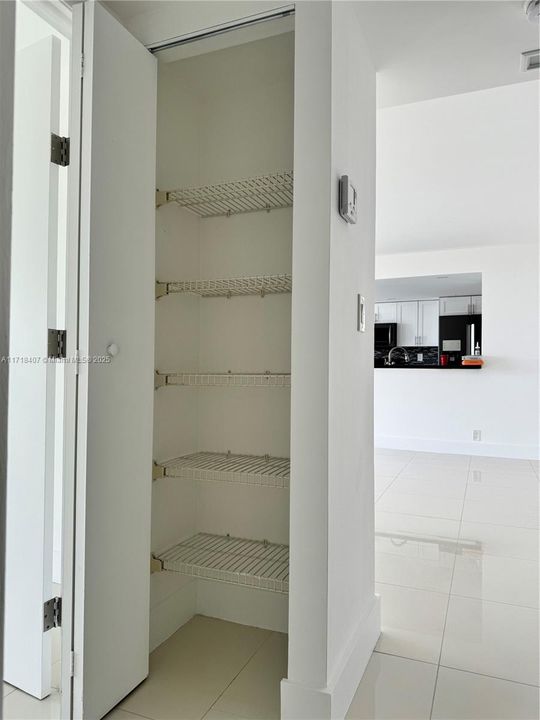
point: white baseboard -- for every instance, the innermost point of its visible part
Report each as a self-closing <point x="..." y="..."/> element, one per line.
<point x="301" y="702"/>
<point x="167" y="616"/>
<point x="521" y="452"/>
<point x="244" y="605"/>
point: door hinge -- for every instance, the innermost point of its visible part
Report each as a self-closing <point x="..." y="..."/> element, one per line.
<point x="56" y="344"/>
<point x="52" y="613"/>
<point x="71" y="664"/>
<point x="82" y="65"/>
<point x="59" y="150"/>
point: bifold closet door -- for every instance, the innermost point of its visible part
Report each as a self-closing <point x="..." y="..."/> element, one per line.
<point x="116" y="341"/>
<point x="31" y="421"/>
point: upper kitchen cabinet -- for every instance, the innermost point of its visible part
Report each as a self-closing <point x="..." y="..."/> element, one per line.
<point x="418" y="323"/>
<point x="407" y="318"/>
<point x="386" y="312"/>
<point x="428" y="322"/>
<point x="476" y="302"/>
<point x="461" y="305"/>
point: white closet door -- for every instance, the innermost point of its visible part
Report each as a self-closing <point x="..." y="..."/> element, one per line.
<point x="115" y="399"/>
<point x="30" y="469"/>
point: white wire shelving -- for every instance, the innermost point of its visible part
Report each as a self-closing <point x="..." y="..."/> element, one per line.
<point x="264" y="192"/>
<point x="228" y="287"/>
<point x="227" y="379"/>
<point x="251" y="563"/>
<point x="260" y="470"/>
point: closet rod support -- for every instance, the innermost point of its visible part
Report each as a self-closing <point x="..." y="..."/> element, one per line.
<point x="162" y="289"/>
<point x="160" y="380"/>
<point x="158" y="471"/>
<point x="162" y="198"/>
<point x="156" y="565"/>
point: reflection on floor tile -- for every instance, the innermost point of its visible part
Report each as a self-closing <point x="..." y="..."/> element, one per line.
<point x="465" y="696"/>
<point x="412" y="622"/>
<point x="501" y="579"/>
<point x="492" y="639"/>
<point x="393" y="689"/>
<point x="424" y="564"/>
<point x="500" y="540"/>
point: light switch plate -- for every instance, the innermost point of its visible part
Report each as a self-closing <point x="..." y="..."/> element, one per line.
<point x="361" y="314"/>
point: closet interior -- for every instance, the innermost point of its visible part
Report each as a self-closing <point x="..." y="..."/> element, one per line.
<point x="220" y="497"/>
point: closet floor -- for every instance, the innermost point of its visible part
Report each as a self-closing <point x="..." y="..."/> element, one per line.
<point x="211" y="669"/>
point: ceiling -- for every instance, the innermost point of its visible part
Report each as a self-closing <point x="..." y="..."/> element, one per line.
<point x="428" y="287"/>
<point x="435" y="48"/>
<point x="421" y="49"/>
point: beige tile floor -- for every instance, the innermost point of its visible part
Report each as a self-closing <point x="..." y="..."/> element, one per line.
<point x="456" y="566"/>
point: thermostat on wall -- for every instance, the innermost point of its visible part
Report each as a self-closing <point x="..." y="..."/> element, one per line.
<point x="347" y="199"/>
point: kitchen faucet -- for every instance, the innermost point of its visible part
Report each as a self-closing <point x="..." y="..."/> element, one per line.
<point x="388" y="360"/>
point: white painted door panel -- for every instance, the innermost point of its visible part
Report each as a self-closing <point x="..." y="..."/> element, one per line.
<point x="115" y="399"/>
<point x="29" y="530"/>
<point x="407" y="329"/>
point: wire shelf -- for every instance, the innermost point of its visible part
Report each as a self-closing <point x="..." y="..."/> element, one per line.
<point x="265" y="192"/>
<point x="229" y="287"/>
<point x="236" y="561"/>
<point x="259" y="470"/>
<point x="227" y="379"/>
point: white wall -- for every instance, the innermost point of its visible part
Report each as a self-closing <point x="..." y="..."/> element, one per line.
<point x="459" y="171"/>
<point x="333" y="611"/>
<point x="457" y="191"/>
<point x="437" y="410"/>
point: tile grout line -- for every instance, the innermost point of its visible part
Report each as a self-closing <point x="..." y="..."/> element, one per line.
<point x="394" y="479"/>
<point x="449" y="596"/>
<point x="270" y="633"/>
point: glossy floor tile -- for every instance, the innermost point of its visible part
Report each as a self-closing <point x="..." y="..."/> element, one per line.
<point x="501" y="579"/>
<point x="428" y="505"/>
<point x="492" y="638"/>
<point x="412" y="622"/>
<point x="466" y="696"/>
<point x="194" y="666"/>
<point x="425" y="564"/>
<point x="499" y="540"/>
<point x="394" y="689"/>
<point x="20" y="706"/>
<point x="255" y="692"/>
<point x="416" y="526"/>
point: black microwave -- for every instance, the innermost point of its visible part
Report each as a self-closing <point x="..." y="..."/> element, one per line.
<point x="385" y="335"/>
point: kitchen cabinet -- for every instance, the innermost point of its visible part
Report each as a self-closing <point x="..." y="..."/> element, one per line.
<point x="386" y="312"/>
<point x="418" y="323"/>
<point x="461" y="305"/>
<point x="428" y="322"/>
<point x="407" y="329"/>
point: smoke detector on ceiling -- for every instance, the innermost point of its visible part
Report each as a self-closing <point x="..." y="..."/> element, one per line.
<point x="532" y="9"/>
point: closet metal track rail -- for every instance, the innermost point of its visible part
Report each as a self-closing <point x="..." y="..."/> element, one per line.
<point x="265" y="192"/>
<point x="227" y="379"/>
<point x="251" y="563"/>
<point x="228" y="287"/>
<point x="260" y="470"/>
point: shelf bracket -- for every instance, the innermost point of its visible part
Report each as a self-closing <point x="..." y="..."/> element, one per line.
<point x="160" y="380"/>
<point x="156" y="565"/>
<point x="162" y="288"/>
<point x="162" y="198"/>
<point x="157" y="471"/>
